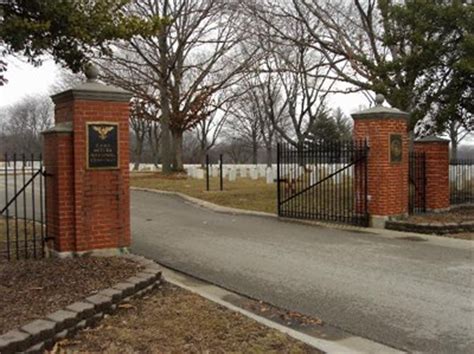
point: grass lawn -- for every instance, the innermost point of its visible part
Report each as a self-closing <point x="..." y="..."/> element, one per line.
<point x="244" y="193"/>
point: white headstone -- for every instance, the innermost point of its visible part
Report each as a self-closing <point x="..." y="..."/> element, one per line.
<point x="243" y="172"/>
<point x="301" y="171"/>
<point x="199" y="173"/>
<point x="232" y="175"/>
<point x="269" y="175"/>
<point x="313" y="177"/>
<point x="253" y="173"/>
<point x="190" y="171"/>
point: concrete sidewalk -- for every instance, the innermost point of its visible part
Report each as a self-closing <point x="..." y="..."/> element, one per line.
<point x="415" y="296"/>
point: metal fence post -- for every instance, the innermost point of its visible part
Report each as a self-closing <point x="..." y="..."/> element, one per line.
<point x="278" y="179"/>
<point x="207" y="172"/>
<point x="221" y="176"/>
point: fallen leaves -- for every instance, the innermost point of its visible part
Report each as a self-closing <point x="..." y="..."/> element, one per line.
<point x="173" y="320"/>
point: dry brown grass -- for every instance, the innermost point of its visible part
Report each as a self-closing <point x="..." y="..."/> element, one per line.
<point x="173" y="320"/>
<point x="244" y="193"/>
<point x="20" y="239"/>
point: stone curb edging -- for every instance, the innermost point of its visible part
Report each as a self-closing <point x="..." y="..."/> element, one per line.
<point x="41" y="334"/>
<point x="431" y="228"/>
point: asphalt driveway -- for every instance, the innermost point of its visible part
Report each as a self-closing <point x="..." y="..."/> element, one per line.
<point x="416" y="296"/>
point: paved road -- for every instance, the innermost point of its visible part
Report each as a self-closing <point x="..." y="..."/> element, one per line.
<point x="416" y="296"/>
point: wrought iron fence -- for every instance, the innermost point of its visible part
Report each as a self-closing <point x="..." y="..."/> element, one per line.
<point x="417" y="182"/>
<point x="324" y="181"/>
<point x="461" y="181"/>
<point x="22" y="226"/>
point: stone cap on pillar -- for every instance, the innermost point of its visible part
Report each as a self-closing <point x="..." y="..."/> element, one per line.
<point x="60" y="128"/>
<point x="432" y="139"/>
<point x="380" y="111"/>
<point x="92" y="90"/>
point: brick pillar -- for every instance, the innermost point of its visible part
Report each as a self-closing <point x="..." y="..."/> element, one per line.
<point x="386" y="132"/>
<point x="436" y="171"/>
<point x="87" y="155"/>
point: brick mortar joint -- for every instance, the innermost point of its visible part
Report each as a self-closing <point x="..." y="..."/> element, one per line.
<point x="147" y="279"/>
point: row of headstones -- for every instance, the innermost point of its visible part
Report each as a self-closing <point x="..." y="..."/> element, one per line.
<point x="232" y="172"/>
<point x="289" y="172"/>
<point x="310" y="174"/>
<point x="462" y="177"/>
<point x="19" y="164"/>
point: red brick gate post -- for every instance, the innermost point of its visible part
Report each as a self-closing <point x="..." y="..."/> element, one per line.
<point x="87" y="155"/>
<point x="386" y="132"/>
<point x="436" y="172"/>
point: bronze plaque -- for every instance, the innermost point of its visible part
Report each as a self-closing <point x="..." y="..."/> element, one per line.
<point x="102" y="145"/>
<point x="396" y="148"/>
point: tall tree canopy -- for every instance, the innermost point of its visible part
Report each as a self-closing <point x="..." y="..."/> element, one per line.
<point x="406" y="50"/>
<point x="70" y="30"/>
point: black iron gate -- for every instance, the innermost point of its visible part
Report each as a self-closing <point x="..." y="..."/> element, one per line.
<point x="417" y="183"/>
<point x="324" y="181"/>
<point x="22" y="218"/>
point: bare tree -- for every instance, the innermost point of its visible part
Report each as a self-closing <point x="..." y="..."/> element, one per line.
<point x="404" y="50"/>
<point x="244" y="126"/>
<point x="194" y="57"/>
<point x="25" y="122"/>
<point x="141" y="119"/>
<point x="208" y="131"/>
<point x="258" y="110"/>
<point x="154" y="138"/>
<point x="237" y="150"/>
<point x="304" y="76"/>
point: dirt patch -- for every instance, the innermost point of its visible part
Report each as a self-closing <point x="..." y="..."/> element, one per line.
<point x="173" y="320"/>
<point x="452" y="216"/>
<point x="462" y="236"/>
<point x="31" y="289"/>
<point x="288" y="318"/>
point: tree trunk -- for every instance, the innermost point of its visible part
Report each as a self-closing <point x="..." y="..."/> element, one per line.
<point x="178" y="151"/>
<point x="154" y="140"/>
<point x="165" y="100"/>
<point x="202" y="154"/>
<point x="454" y="148"/>
<point x="138" y="153"/>
<point x="165" y="147"/>
<point x="254" y="149"/>
<point x="269" y="156"/>
<point x="453" y="135"/>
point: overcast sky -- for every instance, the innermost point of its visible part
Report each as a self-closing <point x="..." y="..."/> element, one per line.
<point x="26" y="80"/>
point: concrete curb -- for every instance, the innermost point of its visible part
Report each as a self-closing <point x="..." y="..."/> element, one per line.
<point x="40" y="335"/>
<point x="219" y="295"/>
